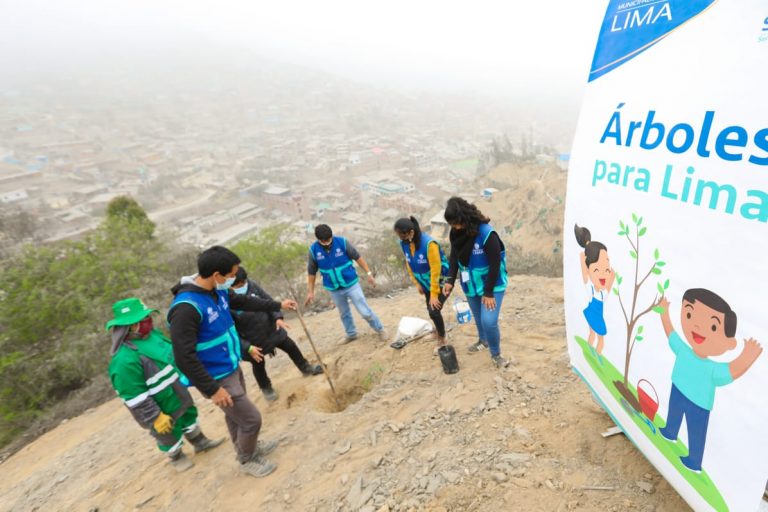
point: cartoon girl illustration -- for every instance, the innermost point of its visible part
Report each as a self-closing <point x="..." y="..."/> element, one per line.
<point x="598" y="276"/>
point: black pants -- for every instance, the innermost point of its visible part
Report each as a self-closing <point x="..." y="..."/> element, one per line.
<point x="437" y="314"/>
<point x="260" y="370"/>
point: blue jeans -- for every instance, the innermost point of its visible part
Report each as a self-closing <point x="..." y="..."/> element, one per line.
<point x="697" y="420"/>
<point x="487" y="322"/>
<point x="341" y="298"/>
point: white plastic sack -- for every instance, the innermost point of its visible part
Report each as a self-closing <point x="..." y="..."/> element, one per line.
<point x="410" y="326"/>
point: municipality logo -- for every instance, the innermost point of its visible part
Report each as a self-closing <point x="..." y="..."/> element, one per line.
<point x="212" y="315"/>
<point x="764" y="32"/>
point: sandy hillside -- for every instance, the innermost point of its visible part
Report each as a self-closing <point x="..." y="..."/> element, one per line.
<point x="527" y="438"/>
<point x="528" y="209"/>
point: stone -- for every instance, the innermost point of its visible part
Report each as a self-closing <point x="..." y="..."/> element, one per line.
<point x="647" y="487"/>
<point x="516" y="458"/>
<point x="434" y="484"/>
<point x="344" y="447"/>
<point x="451" y="477"/>
<point x="499" y="477"/>
<point x="366" y="494"/>
<point x="355" y="492"/>
<point x="344" y="479"/>
<point x="522" y="482"/>
<point x="144" y="501"/>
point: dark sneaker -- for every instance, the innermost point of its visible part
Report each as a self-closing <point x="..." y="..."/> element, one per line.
<point x="203" y="444"/>
<point x="269" y="394"/>
<point x="258" y="467"/>
<point x="500" y="362"/>
<point x="477" y="346"/>
<point x="180" y="462"/>
<point x="308" y="369"/>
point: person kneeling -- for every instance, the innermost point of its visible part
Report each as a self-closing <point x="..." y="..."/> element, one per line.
<point x="261" y="333"/>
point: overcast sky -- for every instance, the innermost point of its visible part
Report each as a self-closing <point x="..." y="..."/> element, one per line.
<point x="505" y="47"/>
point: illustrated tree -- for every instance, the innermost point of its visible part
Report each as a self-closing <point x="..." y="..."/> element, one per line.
<point x="632" y="310"/>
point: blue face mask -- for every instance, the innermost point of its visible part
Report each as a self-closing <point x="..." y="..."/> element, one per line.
<point x="242" y="290"/>
<point x="226" y="284"/>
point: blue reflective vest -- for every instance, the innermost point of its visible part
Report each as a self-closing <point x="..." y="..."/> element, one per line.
<point x="419" y="262"/>
<point x="218" y="345"/>
<point x="478" y="266"/>
<point x="336" y="267"/>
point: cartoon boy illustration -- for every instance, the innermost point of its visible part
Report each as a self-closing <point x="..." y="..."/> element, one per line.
<point x="709" y="326"/>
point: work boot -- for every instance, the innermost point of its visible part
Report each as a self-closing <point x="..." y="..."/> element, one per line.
<point x="270" y="394"/>
<point x="203" y="444"/>
<point x="258" y="467"/>
<point x="477" y="346"/>
<point x="309" y="369"/>
<point x="180" y="462"/>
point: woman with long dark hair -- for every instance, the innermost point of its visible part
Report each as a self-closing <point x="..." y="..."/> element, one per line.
<point x="427" y="266"/>
<point x="479" y="258"/>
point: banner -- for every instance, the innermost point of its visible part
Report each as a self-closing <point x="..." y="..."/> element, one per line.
<point x="666" y="237"/>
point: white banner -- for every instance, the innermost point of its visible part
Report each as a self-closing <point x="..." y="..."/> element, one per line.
<point x="664" y="297"/>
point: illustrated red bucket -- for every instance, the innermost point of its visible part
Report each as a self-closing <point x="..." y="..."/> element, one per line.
<point x="648" y="405"/>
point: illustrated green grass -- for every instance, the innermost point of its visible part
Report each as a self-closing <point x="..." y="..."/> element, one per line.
<point x="607" y="373"/>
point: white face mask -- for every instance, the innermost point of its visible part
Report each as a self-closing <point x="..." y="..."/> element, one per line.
<point x="242" y="290"/>
<point x="226" y="284"/>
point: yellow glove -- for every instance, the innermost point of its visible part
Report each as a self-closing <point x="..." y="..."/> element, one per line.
<point x="163" y="424"/>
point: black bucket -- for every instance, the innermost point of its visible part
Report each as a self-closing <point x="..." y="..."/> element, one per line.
<point x="448" y="358"/>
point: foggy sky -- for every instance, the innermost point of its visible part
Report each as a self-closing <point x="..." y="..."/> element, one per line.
<point x="511" y="48"/>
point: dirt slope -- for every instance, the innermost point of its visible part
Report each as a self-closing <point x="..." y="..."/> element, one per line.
<point x="526" y="438"/>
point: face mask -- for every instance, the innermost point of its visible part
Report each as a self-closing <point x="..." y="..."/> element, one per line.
<point x="145" y="327"/>
<point x="242" y="290"/>
<point x="226" y="284"/>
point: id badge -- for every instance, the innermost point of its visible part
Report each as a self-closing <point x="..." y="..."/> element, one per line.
<point x="464" y="276"/>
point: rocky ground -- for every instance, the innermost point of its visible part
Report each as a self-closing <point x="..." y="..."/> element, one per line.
<point x="409" y="437"/>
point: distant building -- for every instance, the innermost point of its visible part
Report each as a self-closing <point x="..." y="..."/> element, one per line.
<point x="438" y="227"/>
<point x="288" y="202"/>
<point x="14" y="196"/>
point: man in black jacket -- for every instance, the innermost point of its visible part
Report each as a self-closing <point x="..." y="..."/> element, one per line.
<point x="262" y="332"/>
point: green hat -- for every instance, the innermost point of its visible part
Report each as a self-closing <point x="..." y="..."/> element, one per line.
<point x="128" y="312"/>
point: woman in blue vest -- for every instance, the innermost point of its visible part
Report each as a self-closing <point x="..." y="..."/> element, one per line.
<point x="478" y="257"/>
<point x="427" y="266"/>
